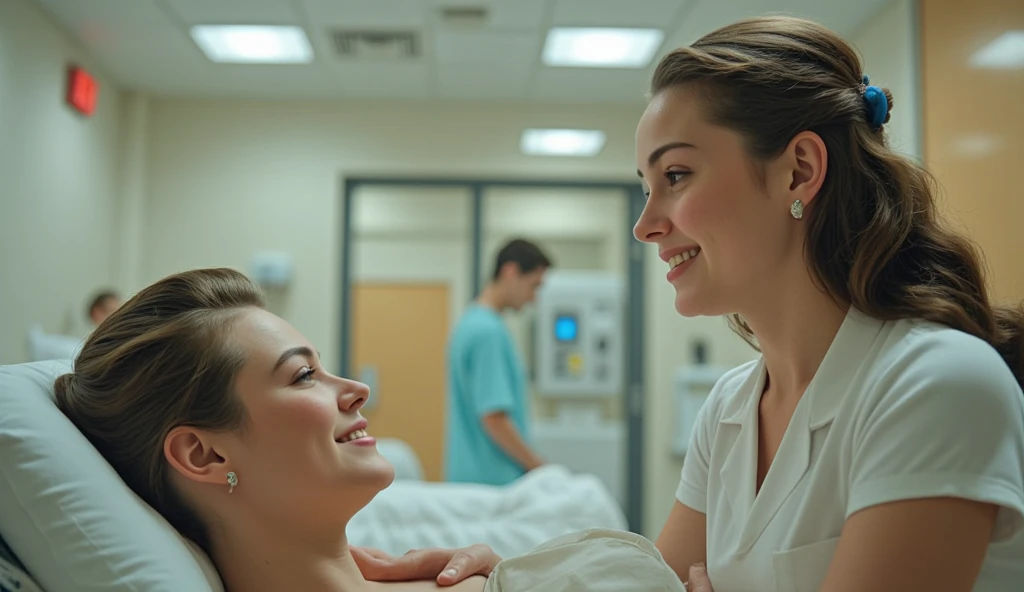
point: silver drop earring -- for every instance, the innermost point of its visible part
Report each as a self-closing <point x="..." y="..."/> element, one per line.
<point x="232" y="481"/>
<point x="797" y="209"/>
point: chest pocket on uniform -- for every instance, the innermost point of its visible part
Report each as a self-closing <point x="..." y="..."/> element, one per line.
<point x="803" y="569"/>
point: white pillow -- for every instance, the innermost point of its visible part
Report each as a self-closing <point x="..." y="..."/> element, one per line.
<point x="402" y="457"/>
<point x="68" y="516"/>
<point x="47" y="346"/>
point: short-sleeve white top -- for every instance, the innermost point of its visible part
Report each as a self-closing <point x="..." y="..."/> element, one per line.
<point x="897" y="410"/>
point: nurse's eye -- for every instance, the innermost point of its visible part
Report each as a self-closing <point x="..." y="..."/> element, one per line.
<point x="674" y="177"/>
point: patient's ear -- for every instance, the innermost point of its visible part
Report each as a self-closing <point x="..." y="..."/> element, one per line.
<point x="192" y="453"/>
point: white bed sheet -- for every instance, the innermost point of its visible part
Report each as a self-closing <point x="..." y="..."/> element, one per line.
<point x="543" y="504"/>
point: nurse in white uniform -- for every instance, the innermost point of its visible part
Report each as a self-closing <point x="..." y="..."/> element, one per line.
<point x="878" y="442"/>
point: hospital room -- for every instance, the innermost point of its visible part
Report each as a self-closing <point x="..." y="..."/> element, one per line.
<point x="511" y="295"/>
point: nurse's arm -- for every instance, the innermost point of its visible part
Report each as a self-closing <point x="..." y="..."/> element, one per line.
<point x="683" y="540"/>
<point x="912" y="546"/>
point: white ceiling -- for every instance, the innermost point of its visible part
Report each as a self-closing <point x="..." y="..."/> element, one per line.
<point x="145" y="45"/>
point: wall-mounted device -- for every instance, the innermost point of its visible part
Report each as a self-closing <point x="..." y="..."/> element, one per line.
<point x="579" y="347"/>
<point x="272" y="269"/>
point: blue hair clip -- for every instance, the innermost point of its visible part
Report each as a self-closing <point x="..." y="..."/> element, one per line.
<point x="878" y="105"/>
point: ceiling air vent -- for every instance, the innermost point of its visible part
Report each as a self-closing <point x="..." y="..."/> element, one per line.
<point x="389" y="45"/>
<point x="471" y="16"/>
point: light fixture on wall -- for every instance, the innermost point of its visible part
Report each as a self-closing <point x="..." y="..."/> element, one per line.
<point x="561" y="142"/>
<point x="1003" y="52"/>
<point x="253" y="44"/>
<point x="601" y="47"/>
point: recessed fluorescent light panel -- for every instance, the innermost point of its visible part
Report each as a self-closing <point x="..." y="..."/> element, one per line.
<point x="1005" y="51"/>
<point x="601" y="48"/>
<point x="561" y="142"/>
<point x="253" y="44"/>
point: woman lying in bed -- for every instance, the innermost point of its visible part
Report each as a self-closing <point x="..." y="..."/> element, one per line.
<point x="219" y="415"/>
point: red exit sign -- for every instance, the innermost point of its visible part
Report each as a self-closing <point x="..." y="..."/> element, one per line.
<point x="82" y="91"/>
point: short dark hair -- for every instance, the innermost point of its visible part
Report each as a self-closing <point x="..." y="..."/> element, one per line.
<point x="526" y="255"/>
<point x="98" y="300"/>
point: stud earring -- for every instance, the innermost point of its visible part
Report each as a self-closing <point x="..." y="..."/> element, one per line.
<point x="232" y="481"/>
<point x="797" y="209"/>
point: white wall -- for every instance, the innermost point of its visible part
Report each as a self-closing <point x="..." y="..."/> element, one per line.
<point x="414" y="234"/>
<point x="228" y="178"/>
<point x="58" y="182"/>
<point x="888" y="46"/>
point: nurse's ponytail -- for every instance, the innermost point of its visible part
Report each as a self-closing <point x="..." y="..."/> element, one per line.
<point x="1009" y="338"/>
<point x="874" y="236"/>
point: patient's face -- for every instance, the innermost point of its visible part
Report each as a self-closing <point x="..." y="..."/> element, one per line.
<point x="291" y="456"/>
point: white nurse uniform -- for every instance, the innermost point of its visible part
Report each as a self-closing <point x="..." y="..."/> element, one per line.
<point x="897" y="410"/>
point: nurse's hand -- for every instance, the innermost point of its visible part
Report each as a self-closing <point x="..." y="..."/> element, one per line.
<point x="699" y="580"/>
<point x="446" y="566"/>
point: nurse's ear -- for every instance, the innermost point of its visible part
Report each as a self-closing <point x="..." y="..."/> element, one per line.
<point x="799" y="172"/>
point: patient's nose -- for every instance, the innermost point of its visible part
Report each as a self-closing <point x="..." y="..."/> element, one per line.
<point x="352" y="395"/>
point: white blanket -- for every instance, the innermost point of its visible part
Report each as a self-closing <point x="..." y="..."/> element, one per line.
<point x="543" y="504"/>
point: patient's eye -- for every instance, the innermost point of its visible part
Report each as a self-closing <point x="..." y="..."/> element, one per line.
<point x="306" y="375"/>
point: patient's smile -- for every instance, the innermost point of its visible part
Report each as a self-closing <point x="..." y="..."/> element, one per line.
<point x="356" y="435"/>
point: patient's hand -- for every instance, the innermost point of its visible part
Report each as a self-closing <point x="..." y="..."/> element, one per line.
<point x="446" y="566"/>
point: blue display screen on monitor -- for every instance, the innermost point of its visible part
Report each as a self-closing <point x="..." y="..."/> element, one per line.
<point x="566" y="328"/>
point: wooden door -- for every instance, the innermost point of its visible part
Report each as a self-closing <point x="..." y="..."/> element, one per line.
<point x="974" y="129"/>
<point x="399" y="332"/>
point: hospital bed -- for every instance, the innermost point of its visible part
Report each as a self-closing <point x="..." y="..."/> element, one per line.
<point x="75" y="526"/>
<point x="44" y="346"/>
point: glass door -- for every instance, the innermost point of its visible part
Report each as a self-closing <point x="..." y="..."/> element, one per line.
<point x="410" y="280"/>
<point x="573" y="352"/>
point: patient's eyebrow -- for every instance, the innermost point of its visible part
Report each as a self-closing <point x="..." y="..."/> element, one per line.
<point x="294" y="351"/>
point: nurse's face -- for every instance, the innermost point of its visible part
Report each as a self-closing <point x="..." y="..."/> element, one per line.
<point x="715" y="221"/>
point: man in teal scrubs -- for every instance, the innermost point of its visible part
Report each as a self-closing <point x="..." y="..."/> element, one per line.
<point x="488" y="436"/>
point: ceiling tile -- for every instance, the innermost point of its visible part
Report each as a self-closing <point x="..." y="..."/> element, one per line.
<point x="300" y="82"/>
<point x="502" y="15"/>
<point x="76" y="12"/>
<point x="371" y="14"/>
<point x="481" y="46"/>
<point x="142" y="44"/>
<point x="844" y="17"/>
<point x="482" y="81"/>
<point x="242" y="12"/>
<point x="659" y="14"/>
<point x="117" y="32"/>
<point x="588" y="85"/>
<point x="382" y="80"/>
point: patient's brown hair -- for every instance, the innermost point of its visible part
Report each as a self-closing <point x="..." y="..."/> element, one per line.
<point x="164" y="359"/>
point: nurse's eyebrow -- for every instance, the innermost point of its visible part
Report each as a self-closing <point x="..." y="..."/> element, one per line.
<point x="659" y="152"/>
